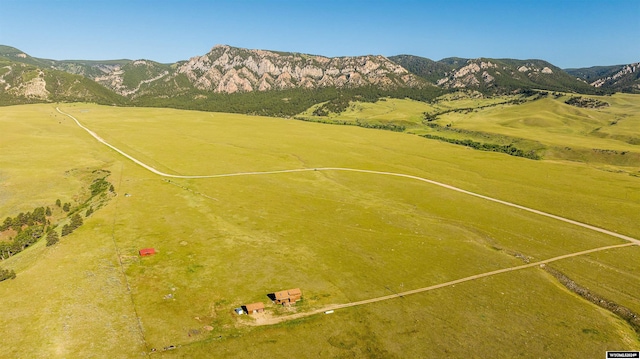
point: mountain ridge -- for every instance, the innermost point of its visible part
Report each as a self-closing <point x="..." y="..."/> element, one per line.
<point x="232" y="70"/>
<point x="622" y="78"/>
<point x="25" y="79"/>
<point x="494" y="75"/>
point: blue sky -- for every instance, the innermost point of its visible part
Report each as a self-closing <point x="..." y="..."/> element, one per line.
<point x="567" y="33"/>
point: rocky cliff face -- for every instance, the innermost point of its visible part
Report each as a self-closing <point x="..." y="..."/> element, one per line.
<point x="129" y="79"/>
<point x="493" y="75"/>
<point x="228" y="69"/>
<point x="484" y="72"/>
<point x="224" y="69"/>
<point x="628" y="78"/>
<point x="19" y="80"/>
<point x="24" y="83"/>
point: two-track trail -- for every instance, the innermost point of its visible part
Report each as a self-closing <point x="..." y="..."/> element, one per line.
<point x="394" y="174"/>
<point x="273" y="320"/>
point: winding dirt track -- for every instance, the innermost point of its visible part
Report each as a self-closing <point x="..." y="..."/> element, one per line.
<point x="269" y="320"/>
<point x="563" y="219"/>
<point x="274" y="320"/>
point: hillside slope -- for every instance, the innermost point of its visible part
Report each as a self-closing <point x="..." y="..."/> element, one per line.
<point x="283" y="77"/>
<point x="621" y="78"/>
<point x="227" y="69"/>
<point x="493" y="75"/>
<point x="340" y="236"/>
<point x="21" y="82"/>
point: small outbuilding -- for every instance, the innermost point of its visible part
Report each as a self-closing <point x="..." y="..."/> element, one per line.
<point x="287" y="297"/>
<point x="147" y="252"/>
<point x="254" y="308"/>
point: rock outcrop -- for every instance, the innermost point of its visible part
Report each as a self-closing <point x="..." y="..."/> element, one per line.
<point x="228" y="69"/>
<point x="628" y="73"/>
<point x="483" y="72"/>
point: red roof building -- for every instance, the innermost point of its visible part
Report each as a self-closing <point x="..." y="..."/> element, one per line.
<point x="288" y="297"/>
<point x="147" y="252"/>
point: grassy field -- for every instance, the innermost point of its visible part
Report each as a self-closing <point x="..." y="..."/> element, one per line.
<point x="68" y="300"/>
<point x="615" y="276"/>
<point x="339" y="236"/>
<point x="406" y="113"/>
<point x="607" y="137"/>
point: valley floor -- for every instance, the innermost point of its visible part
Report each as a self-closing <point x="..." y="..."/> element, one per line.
<point x="355" y="222"/>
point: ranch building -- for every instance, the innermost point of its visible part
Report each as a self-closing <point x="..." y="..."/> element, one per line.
<point x="288" y="297"/>
<point x="147" y="252"/>
<point x="254" y="308"/>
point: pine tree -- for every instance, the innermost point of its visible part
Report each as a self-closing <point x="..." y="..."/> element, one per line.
<point x="7" y="274"/>
<point x="66" y="230"/>
<point x="6" y="224"/>
<point x="76" y="221"/>
<point x="52" y="238"/>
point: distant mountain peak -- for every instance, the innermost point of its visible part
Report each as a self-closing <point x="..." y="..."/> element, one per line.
<point x="627" y="71"/>
<point x="624" y="78"/>
<point x="492" y="75"/>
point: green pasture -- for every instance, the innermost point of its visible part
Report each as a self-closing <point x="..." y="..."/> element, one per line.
<point x="215" y="143"/>
<point x="43" y="158"/>
<point x="548" y="120"/>
<point x="609" y="135"/>
<point x="68" y="300"/>
<point x="340" y="236"/>
<point x="408" y="113"/>
<point x="605" y="137"/>
<point x="528" y="317"/>
<point x="612" y="274"/>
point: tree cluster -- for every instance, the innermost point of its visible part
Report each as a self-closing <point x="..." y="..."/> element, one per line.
<point x="586" y="102"/>
<point x="285" y="103"/>
<point x="100" y="185"/>
<point x="7" y="274"/>
<point x="52" y="238"/>
<point x="31" y="226"/>
<point x="24" y="239"/>
<point x="76" y="221"/>
<point x="37" y="217"/>
<point x="509" y="149"/>
<point x="379" y="126"/>
<point x="430" y="117"/>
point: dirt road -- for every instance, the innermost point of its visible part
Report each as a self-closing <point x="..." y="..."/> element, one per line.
<point x="444" y="185"/>
<point x="266" y="320"/>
